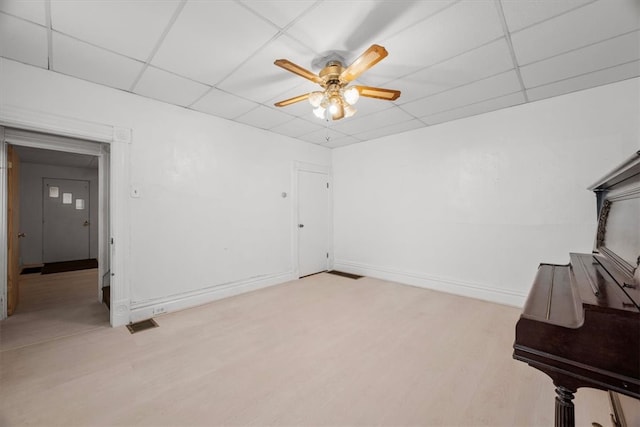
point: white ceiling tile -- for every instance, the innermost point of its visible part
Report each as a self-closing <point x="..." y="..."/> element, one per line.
<point x="223" y="104"/>
<point x="335" y="23"/>
<point x="358" y="124"/>
<point x="264" y="117"/>
<point x="349" y="27"/>
<point x="88" y="62"/>
<point x="474" y="109"/>
<point x="598" y="78"/>
<point x="297" y="127"/>
<point x="32" y="10"/>
<point x="391" y="130"/>
<point x="609" y="53"/>
<point x="322" y="136"/>
<point x="520" y="14"/>
<point x="368" y="106"/>
<point x="501" y="84"/>
<point x="589" y="24"/>
<point x="280" y="12"/>
<point x="341" y="142"/>
<point x="131" y="28"/>
<point x="448" y="58"/>
<point x="457" y="29"/>
<point x="23" y="41"/>
<point x="210" y="39"/>
<point x="259" y="79"/>
<point x="167" y="87"/>
<point x="485" y="61"/>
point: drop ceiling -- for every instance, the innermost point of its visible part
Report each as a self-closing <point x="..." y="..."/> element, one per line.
<point x="450" y="59"/>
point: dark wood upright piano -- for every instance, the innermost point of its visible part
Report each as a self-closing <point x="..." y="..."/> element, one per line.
<point x="581" y="322"/>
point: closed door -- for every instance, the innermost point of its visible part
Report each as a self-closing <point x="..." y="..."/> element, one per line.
<point x="313" y="222"/>
<point x="65" y="228"/>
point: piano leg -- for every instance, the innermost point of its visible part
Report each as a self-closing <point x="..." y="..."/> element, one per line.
<point x="565" y="414"/>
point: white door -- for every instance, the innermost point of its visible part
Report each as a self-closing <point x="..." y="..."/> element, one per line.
<point x="313" y="222"/>
<point x="65" y="220"/>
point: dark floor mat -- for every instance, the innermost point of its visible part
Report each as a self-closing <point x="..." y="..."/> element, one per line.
<point x="31" y="270"/>
<point x="60" y="267"/>
<point x="343" y="274"/>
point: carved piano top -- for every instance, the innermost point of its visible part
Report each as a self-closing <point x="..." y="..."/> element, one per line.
<point x="581" y="322"/>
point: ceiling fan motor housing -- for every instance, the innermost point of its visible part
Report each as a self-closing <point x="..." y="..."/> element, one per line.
<point x="330" y="74"/>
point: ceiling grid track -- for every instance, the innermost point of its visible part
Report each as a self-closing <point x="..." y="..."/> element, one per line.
<point x="568" y="11"/>
<point x="172" y="21"/>
<point x="444" y="74"/>
<point x="579" y="48"/>
<point x="47" y="11"/>
<point x="586" y="74"/>
<point x="281" y="31"/>
<point x="507" y="37"/>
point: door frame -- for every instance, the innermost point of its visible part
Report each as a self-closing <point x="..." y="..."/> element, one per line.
<point x="295" y="247"/>
<point x="113" y="154"/>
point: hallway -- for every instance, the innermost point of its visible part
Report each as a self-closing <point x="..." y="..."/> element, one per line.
<point x="53" y="306"/>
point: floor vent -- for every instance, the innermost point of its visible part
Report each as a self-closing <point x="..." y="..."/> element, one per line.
<point x="343" y="274"/>
<point x="143" y="325"/>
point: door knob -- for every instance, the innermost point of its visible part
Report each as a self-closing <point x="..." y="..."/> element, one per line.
<point x="86" y="224"/>
<point x="300" y="225"/>
<point x="21" y="235"/>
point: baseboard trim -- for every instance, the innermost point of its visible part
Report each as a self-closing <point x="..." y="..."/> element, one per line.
<point x="142" y="310"/>
<point x="421" y="280"/>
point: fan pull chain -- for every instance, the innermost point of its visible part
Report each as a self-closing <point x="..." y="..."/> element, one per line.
<point x="327" y="137"/>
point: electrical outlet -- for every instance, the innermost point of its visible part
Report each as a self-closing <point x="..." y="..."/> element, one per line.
<point x="159" y="310"/>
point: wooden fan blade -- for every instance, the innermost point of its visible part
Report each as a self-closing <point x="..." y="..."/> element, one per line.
<point x="296" y="69"/>
<point x="378" y="92"/>
<point x="368" y="59"/>
<point x="292" y="100"/>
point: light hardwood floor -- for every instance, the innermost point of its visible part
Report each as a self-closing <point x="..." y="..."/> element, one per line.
<point x="53" y="306"/>
<point x="324" y="350"/>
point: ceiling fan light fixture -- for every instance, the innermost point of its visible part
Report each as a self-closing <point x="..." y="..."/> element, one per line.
<point x="336" y="100"/>
<point x="334" y="104"/>
<point x="351" y="95"/>
<point x="315" y="99"/>
<point x="349" y="111"/>
<point x="319" y="112"/>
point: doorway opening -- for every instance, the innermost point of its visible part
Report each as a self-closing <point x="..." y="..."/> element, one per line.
<point x="62" y="228"/>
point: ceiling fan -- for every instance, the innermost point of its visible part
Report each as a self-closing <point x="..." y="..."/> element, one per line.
<point x="337" y="100"/>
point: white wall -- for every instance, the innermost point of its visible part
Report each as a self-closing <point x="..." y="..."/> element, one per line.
<point x="31" y="175"/>
<point x="210" y="210"/>
<point x="473" y="206"/>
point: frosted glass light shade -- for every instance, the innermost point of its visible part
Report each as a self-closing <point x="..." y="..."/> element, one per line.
<point x="315" y="98"/>
<point x="319" y="112"/>
<point x="349" y="111"/>
<point x="351" y="95"/>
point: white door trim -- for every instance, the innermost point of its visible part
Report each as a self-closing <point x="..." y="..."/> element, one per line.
<point x="119" y="140"/>
<point x="295" y="249"/>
